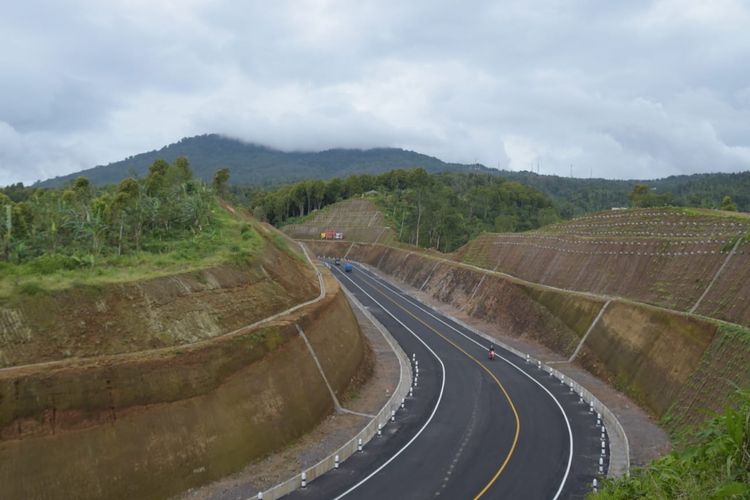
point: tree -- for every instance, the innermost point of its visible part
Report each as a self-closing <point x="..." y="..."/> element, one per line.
<point x="728" y="205"/>
<point x="505" y="223"/>
<point x="642" y="197"/>
<point x="6" y="215"/>
<point x="221" y="179"/>
<point x="638" y="195"/>
<point x="182" y="167"/>
<point x="156" y="178"/>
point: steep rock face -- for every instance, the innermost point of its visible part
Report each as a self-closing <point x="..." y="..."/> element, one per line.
<point x="663" y="359"/>
<point x="151" y="424"/>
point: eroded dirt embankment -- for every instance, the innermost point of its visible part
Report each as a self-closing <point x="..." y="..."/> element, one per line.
<point x="672" y="364"/>
<point x="153" y="423"/>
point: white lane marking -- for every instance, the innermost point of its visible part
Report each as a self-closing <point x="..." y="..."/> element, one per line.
<point x="434" y="410"/>
<point x="565" y="416"/>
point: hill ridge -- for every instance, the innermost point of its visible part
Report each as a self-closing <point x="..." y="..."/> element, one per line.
<point x="252" y="163"/>
<point x="260" y="165"/>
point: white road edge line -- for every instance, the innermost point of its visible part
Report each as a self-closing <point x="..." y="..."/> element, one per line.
<point x="434" y="410"/>
<point x="565" y="416"/>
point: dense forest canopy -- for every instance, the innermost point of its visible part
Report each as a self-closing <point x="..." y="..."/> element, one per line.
<point x="441" y="211"/>
<point x="574" y="197"/>
<point x="76" y="225"/>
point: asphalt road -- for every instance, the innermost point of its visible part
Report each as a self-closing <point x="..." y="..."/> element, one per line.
<point x="473" y="427"/>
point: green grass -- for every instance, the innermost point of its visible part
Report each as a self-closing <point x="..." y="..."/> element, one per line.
<point x="228" y="240"/>
<point x="712" y="462"/>
<point x="708" y="212"/>
<point x="739" y="332"/>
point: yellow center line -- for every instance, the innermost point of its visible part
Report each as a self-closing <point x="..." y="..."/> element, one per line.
<point x="499" y="384"/>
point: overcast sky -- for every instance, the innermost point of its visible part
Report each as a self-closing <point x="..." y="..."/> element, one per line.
<point x="630" y="89"/>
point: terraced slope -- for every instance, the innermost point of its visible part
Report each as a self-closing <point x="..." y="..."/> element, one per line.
<point x="146" y="389"/>
<point x="667" y="257"/>
<point x="90" y="321"/>
<point x="358" y="219"/>
<point x="678" y="366"/>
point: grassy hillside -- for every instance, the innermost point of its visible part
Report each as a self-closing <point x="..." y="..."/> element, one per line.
<point x="252" y="164"/>
<point x="229" y="240"/>
<point x="166" y="223"/>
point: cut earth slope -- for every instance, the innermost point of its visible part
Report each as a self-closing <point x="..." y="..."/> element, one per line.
<point x="655" y="355"/>
<point x="125" y="420"/>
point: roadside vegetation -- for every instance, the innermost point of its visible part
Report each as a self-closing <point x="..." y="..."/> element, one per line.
<point x="441" y="211"/>
<point x="166" y="222"/>
<point x="712" y="463"/>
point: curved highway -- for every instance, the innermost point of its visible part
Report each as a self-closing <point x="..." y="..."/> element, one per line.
<point x="473" y="428"/>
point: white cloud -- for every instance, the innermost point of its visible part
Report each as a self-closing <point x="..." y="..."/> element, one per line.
<point x="636" y="89"/>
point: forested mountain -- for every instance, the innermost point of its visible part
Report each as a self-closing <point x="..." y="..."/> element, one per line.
<point x="252" y="164"/>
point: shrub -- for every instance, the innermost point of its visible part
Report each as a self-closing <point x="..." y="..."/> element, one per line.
<point x="48" y="264"/>
<point x="714" y="462"/>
